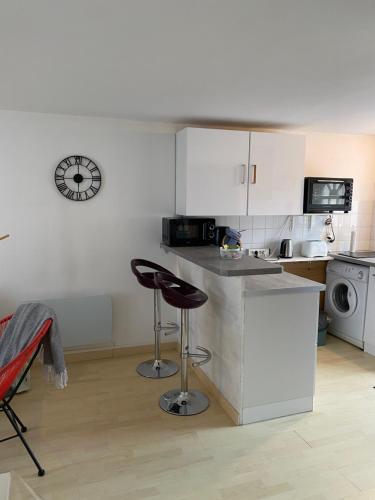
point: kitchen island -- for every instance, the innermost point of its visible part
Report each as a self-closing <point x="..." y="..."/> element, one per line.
<point x="261" y="329"/>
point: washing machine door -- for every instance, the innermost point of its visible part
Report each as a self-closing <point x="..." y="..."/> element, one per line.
<point x="343" y="299"/>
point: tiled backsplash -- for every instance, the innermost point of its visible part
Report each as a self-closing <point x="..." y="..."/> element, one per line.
<point x="268" y="231"/>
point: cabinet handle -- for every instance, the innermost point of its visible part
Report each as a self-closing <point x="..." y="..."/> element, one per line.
<point x="244" y="170"/>
<point x="254" y="177"/>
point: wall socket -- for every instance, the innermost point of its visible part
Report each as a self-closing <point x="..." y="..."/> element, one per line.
<point x="263" y="253"/>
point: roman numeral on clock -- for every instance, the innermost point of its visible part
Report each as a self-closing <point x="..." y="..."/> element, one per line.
<point x="68" y="162"/>
<point x="62" y="187"/>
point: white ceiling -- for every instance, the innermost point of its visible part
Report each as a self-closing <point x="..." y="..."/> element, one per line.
<point x="281" y="63"/>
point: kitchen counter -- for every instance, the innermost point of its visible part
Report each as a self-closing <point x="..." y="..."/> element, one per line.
<point x="370" y="262"/>
<point x="209" y="258"/>
<point x="280" y="283"/>
<point x="261" y="330"/>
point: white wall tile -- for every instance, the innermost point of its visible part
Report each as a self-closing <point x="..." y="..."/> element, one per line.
<point x="259" y="222"/>
<point x="247" y="236"/>
<point x="246" y="222"/>
<point x="347" y="221"/>
<point x="259" y="236"/>
<point x="365" y="207"/>
<point x="355" y="207"/>
<point x="231" y="221"/>
<point x="268" y="231"/>
<point x="363" y="245"/>
<point x="364" y="233"/>
<point x="364" y="220"/>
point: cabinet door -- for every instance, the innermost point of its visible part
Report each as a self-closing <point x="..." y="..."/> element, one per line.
<point x="211" y="172"/>
<point x="314" y="271"/>
<point x="276" y="173"/>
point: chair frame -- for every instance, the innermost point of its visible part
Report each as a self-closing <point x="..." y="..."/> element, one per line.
<point x="32" y="351"/>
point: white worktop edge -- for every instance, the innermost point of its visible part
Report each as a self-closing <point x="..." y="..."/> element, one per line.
<point x="280" y="283"/>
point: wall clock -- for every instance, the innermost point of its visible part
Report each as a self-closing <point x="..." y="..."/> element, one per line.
<point x="78" y="178"/>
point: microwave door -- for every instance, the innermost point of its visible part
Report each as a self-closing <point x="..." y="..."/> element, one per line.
<point x="328" y="195"/>
<point x="187" y="233"/>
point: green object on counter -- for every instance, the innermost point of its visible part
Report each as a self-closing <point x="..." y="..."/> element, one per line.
<point x="322" y="337"/>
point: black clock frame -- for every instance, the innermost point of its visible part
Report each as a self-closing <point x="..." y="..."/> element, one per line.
<point x="94" y="176"/>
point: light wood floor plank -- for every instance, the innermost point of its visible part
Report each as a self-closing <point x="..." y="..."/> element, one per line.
<point x="104" y="437"/>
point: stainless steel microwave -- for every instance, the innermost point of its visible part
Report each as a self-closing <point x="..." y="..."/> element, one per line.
<point x="327" y="195"/>
<point x="188" y="231"/>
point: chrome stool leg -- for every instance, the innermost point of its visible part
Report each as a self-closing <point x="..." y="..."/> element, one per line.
<point x="157" y="367"/>
<point x="184" y="401"/>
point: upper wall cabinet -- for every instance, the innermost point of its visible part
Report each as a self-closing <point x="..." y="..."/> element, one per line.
<point x="211" y="172"/>
<point x="230" y="172"/>
<point x="276" y="173"/>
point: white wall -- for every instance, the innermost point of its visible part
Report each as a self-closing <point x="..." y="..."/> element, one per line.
<point x="60" y="248"/>
<point x="343" y="155"/>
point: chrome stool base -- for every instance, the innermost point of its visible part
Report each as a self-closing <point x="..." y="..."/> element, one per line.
<point x="183" y="403"/>
<point x="161" y="368"/>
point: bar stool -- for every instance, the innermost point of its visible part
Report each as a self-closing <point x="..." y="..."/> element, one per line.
<point x="157" y="367"/>
<point x="184" y="296"/>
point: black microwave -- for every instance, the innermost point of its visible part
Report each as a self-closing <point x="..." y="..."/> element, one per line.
<point x="188" y="231"/>
<point x="327" y="195"/>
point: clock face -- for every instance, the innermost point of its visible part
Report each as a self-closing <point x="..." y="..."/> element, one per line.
<point x="78" y="178"/>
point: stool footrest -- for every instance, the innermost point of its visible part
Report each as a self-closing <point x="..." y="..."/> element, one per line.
<point x="205" y="357"/>
<point x="169" y="328"/>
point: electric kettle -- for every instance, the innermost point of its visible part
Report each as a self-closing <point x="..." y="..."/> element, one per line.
<point x="286" y="249"/>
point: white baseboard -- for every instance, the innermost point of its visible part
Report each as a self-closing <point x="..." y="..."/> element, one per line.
<point x="276" y="410"/>
<point x="5" y="486"/>
<point x="347" y="338"/>
<point x="113" y="352"/>
<point x="369" y="348"/>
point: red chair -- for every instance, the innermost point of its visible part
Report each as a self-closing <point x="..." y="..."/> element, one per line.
<point x="8" y="387"/>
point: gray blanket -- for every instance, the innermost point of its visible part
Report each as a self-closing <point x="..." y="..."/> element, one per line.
<point x="21" y="330"/>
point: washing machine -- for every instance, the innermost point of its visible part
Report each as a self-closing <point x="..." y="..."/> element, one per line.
<point x="345" y="300"/>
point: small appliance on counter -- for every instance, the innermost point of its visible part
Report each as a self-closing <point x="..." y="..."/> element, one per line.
<point x="286" y="249"/>
<point x="220" y="233"/>
<point x="188" y="231"/>
<point x="314" y="248"/>
<point x="327" y="195"/>
<point x="231" y="245"/>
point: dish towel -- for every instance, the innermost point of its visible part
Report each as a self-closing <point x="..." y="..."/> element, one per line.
<point x="20" y="331"/>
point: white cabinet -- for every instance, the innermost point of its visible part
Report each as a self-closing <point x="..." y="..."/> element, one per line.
<point x="276" y="174"/>
<point x="211" y="172"/>
<point x="231" y="172"/>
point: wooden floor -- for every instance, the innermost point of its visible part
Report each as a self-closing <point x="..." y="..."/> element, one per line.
<point x="104" y="437"/>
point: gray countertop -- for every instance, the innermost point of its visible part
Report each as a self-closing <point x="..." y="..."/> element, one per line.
<point x="280" y="283"/>
<point x="208" y="257"/>
<point x="361" y="262"/>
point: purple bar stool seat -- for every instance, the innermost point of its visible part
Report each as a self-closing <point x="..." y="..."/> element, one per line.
<point x="157" y="367"/>
<point x="184" y="296"/>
